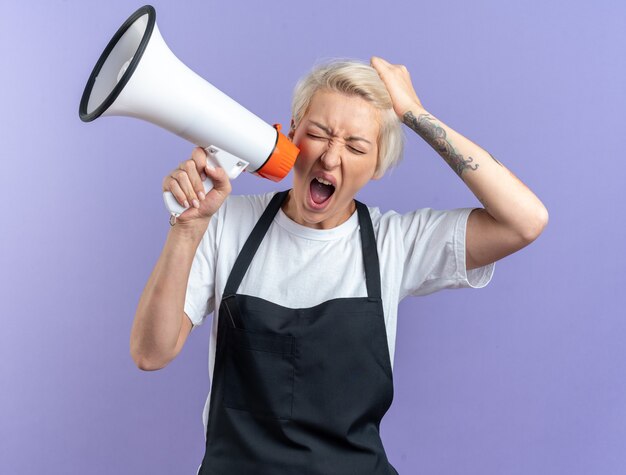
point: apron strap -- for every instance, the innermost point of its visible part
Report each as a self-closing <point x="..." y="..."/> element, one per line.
<point x="370" y="253"/>
<point x="252" y="244"/>
<point x="368" y="244"/>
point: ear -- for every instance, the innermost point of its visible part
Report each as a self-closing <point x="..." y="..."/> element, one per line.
<point x="292" y="129"/>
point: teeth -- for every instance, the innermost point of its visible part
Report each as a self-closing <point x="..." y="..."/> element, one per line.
<point x="323" y="182"/>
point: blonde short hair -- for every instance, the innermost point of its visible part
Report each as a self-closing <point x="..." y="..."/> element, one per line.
<point x="354" y="77"/>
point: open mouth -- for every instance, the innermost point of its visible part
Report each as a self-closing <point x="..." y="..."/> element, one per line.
<point x="321" y="190"/>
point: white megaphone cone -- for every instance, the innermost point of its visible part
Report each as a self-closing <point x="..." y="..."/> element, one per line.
<point x="138" y="76"/>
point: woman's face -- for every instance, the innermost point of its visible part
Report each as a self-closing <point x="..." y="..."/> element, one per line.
<point x="337" y="138"/>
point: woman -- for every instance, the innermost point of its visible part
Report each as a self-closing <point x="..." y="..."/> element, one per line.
<point x="301" y="351"/>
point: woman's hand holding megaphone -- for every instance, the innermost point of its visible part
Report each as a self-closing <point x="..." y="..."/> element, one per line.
<point x="186" y="185"/>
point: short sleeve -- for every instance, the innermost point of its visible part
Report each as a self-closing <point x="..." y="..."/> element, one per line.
<point x="200" y="295"/>
<point x="434" y="246"/>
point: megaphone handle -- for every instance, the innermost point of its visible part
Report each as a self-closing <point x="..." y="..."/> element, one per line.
<point x="217" y="157"/>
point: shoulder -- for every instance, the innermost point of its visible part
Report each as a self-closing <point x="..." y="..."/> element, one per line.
<point x="392" y="227"/>
<point x="241" y="212"/>
<point x="391" y="219"/>
<point x="254" y="204"/>
<point x="417" y="217"/>
<point x="243" y="207"/>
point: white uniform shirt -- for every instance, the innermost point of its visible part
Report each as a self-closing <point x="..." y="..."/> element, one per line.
<point x="298" y="267"/>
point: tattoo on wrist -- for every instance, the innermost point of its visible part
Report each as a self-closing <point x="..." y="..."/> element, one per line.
<point x="435" y="136"/>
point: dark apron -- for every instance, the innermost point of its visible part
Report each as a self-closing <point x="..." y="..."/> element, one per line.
<point x="299" y="391"/>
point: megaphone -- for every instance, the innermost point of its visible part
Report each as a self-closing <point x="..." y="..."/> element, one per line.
<point x="138" y="76"/>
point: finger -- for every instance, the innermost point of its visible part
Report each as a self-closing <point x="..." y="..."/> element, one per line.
<point x="221" y="182"/>
<point x="381" y="65"/>
<point x="173" y="187"/>
<point x="185" y="183"/>
<point x="380" y="62"/>
<point x="199" y="156"/>
<point x="190" y="166"/>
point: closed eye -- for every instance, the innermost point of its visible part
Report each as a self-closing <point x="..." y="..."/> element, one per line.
<point x="352" y="149"/>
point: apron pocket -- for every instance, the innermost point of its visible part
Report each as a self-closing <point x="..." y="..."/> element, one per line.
<point x="259" y="373"/>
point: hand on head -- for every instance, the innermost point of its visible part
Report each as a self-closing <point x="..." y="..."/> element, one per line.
<point x="399" y="85"/>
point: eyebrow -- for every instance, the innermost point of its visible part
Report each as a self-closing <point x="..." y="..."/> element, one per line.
<point x="330" y="132"/>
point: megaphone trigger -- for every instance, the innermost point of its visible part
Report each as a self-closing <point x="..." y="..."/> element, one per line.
<point x="233" y="166"/>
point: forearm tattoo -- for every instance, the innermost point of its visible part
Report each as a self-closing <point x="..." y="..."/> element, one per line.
<point x="435" y="136"/>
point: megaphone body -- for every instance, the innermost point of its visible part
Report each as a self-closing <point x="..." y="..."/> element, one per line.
<point x="137" y="75"/>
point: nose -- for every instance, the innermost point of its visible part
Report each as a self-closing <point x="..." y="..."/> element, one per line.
<point x="331" y="157"/>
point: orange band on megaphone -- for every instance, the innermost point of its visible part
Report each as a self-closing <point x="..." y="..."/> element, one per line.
<point x="281" y="161"/>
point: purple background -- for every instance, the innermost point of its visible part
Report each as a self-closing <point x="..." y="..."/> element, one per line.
<point x="523" y="377"/>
